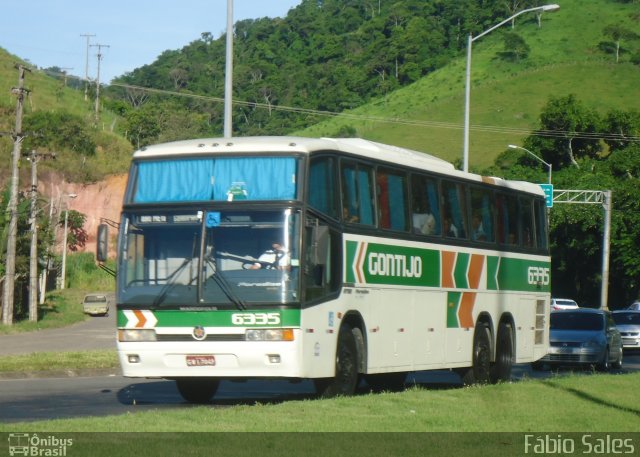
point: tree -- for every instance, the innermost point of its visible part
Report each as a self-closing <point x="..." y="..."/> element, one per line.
<point x="566" y="132"/>
<point x="617" y="33"/>
<point x="515" y="47"/>
<point x="624" y="125"/>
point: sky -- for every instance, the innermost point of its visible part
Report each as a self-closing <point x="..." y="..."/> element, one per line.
<point x="48" y="33"/>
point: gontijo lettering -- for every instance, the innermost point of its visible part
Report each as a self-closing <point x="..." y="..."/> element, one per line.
<point x="381" y="264"/>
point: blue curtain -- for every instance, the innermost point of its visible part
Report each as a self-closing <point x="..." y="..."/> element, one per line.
<point x="456" y="211"/>
<point x="364" y="188"/>
<point x="254" y="178"/>
<point x="269" y="178"/>
<point x="174" y="180"/>
<point x="432" y="193"/>
<point x="487" y="217"/>
<point x="397" y="202"/>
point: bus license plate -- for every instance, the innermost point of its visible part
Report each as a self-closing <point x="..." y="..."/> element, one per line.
<point x="201" y="360"/>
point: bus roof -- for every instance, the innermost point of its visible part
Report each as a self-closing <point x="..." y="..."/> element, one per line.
<point x="356" y="146"/>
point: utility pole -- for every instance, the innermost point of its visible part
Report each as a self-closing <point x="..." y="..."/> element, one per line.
<point x="86" y="67"/>
<point x="228" y="74"/>
<point x="64" y="74"/>
<point x="10" y="269"/>
<point x="99" y="55"/>
<point x="33" y="219"/>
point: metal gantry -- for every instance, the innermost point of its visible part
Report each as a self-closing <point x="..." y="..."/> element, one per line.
<point x="593" y="197"/>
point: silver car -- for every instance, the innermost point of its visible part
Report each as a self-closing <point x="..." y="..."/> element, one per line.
<point x="583" y="336"/>
<point x="563" y="303"/>
<point x="96" y="304"/>
<point x="628" y="322"/>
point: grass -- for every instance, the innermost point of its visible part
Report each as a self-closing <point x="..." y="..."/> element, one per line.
<point x="59" y="361"/>
<point x="63" y="307"/>
<point x="575" y="403"/>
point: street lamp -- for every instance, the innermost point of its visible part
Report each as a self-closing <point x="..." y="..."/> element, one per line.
<point x="467" y="98"/>
<point x="63" y="274"/>
<point x="548" y="165"/>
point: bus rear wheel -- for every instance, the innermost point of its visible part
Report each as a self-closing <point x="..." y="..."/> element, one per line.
<point x="501" y="369"/>
<point x="346" y="378"/>
<point x="480" y="371"/>
<point x="197" y="390"/>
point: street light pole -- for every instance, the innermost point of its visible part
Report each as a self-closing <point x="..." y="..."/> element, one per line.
<point x="63" y="274"/>
<point x="548" y="165"/>
<point x="467" y="98"/>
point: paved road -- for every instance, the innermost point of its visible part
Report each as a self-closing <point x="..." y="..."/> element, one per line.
<point x="52" y="398"/>
<point x="94" y="333"/>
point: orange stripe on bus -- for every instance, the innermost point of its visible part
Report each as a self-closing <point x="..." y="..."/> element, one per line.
<point x="448" y="262"/>
<point x="141" y="319"/>
<point x="475" y="270"/>
<point x="465" y="311"/>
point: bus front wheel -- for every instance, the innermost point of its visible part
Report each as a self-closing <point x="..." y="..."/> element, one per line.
<point x="480" y="371"/>
<point x="346" y="378"/>
<point x="197" y="390"/>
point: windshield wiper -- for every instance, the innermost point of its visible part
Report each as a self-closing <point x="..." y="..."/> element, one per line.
<point x="171" y="283"/>
<point x="224" y="285"/>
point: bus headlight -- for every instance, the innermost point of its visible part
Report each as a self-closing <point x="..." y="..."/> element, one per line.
<point x="136" y="335"/>
<point x="275" y="334"/>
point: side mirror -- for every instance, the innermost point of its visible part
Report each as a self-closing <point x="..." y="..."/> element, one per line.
<point x="102" y="248"/>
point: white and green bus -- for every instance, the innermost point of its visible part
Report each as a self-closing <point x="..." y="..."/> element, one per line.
<point x="324" y="259"/>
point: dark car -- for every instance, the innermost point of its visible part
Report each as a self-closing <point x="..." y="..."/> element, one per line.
<point x="587" y="337"/>
<point x="628" y="322"/>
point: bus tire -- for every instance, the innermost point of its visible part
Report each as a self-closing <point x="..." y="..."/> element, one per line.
<point x="501" y="368"/>
<point x="480" y="370"/>
<point x="389" y="382"/>
<point x="346" y="379"/>
<point x="197" y="390"/>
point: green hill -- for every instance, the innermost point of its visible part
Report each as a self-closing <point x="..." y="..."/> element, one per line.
<point x="506" y="97"/>
<point x="48" y="94"/>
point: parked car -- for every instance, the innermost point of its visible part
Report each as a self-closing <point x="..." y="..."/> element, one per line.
<point x="628" y="323"/>
<point x="96" y="304"/>
<point x="583" y="336"/>
<point x="563" y="303"/>
<point x="635" y="306"/>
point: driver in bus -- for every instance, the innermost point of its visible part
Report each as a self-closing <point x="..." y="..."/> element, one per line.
<point x="276" y="257"/>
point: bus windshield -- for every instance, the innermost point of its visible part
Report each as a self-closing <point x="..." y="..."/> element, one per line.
<point x="209" y="258"/>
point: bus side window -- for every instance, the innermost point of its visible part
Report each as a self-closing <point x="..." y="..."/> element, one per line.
<point x="507" y="219"/>
<point x="392" y="200"/>
<point x="454" y="223"/>
<point x="321" y="186"/>
<point x="322" y="265"/>
<point x="526" y="222"/>
<point x="425" y="211"/>
<point x="541" y="224"/>
<point x="357" y="193"/>
<point x="482" y="226"/>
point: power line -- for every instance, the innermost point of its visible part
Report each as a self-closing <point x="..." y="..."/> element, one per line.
<point x="395" y="120"/>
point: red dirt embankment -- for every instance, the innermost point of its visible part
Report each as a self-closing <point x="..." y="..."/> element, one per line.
<point x="98" y="200"/>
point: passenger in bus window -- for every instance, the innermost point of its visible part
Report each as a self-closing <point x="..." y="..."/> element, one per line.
<point x="422" y="220"/>
<point x="450" y="230"/>
<point x="477" y="230"/>
<point x="348" y="217"/>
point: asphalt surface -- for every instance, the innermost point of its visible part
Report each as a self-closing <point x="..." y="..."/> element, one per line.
<point x="92" y="334"/>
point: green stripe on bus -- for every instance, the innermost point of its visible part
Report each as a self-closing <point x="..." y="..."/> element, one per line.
<point x="523" y="275"/>
<point x="236" y="318"/>
<point x="493" y="262"/>
<point x="460" y="270"/>
<point x="453" y="304"/>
